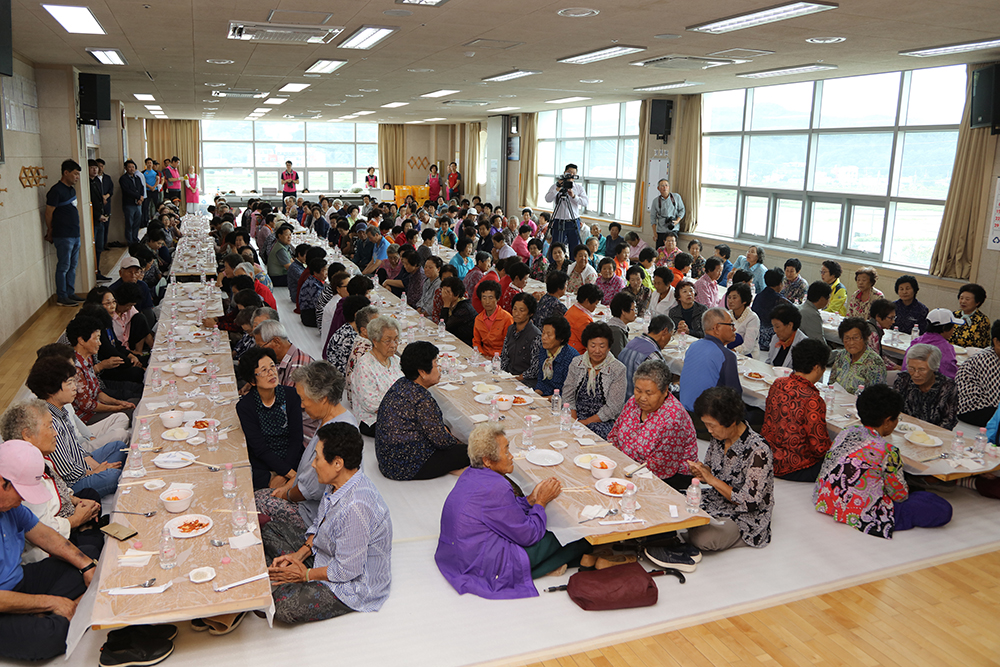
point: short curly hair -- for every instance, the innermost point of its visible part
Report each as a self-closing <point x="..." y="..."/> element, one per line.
<point x="723" y="404"/>
<point x="249" y="361"/>
<point x="867" y="271"/>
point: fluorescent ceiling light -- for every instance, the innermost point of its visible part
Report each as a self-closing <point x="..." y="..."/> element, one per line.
<point x="667" y="86"/>
<point x="325" y="66"/>
<point x="783" y="12"/>
<point x="502" y="109"/>
<point x="78" y="20"/>
<point x="787" y="71"/>
<point x="367" y="36"/>
<point x="432" y="120"/>
<point x="293" y="87"/>
<point x="953" y="48"/>
<point x="261" y="109"/>
<point x="440" y="93"/>
<point x="107" y="56"/>
<point x="507" y="76"/>
<point x="602" y="54"/>
<point x="414" y="122"/>
<point x="143" y="97"/>
<point x="363" y="113"/>
<point x="153" y="107"/>
<point x="276" y="100"/>
<point x="567" y="100"/>
<point x="394" y="105"/>
<point x="425" y="3"/>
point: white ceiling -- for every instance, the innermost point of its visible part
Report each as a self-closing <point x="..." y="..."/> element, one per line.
<point x="173" y="39"/>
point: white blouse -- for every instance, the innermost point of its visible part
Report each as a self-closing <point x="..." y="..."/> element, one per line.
<point x="748" y="326"/>
<point x="369" y="382"/>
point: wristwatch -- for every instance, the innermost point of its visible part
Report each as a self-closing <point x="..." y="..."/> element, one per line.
<point x="91" y="566"/>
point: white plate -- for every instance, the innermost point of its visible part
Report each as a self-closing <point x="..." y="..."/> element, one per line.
<point x="905" y="427"/>
<point x="174" y="525"/>
<point x="196" y="440"/>
<point x="483" y="399"/>
<point x="445" y="347"/>
<point x="583" y="460"/>
<point x="191" y="415"/>
<point x="202" y="575"/>
<point x="748" y="375"/>
<point x="603" y="485"/>
<point x="484" y="388"/>
<point x="935" y="441"/>
<point x="194" y="361"/>
<point x="544" y="457"/>
<point x="178" y="434"/>
<point x="212" y="422"/>
<point x="174" y="461"/>
<point x="200" y="370"/>
<point x="154" y="485"/>
<point x="528" y="400"/>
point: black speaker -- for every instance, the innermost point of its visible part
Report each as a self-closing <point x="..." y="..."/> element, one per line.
<point x="6" y="42"/>
<point x="660" y="118"/>
<point x="986" y="99"/>
<point x="95" y="97"/>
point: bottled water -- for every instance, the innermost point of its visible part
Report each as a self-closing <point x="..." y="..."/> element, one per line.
<point x="441" y="329"/>
<point x="958" y="445"/>
<point x="216" y="340"/>
<point x="694" y="496"/>
<point x="229" y="482"/>
<point x="145" y="437"/>
<point x="566" y="418"/>
<point x="239" y="517"/>
<point x="168" y="551"/>
<point x="157" y="379"/>
<point x="981" y="443"/>
<point x="495" y="364"/>
<point x="895" y="336"/>
<point x="830" y="396"/>
<point x="213" y="387"/>
<point x="133" y="467"/>
<point x="212" y="437"/>
<point x="171" y="348"/>
<point x="528" y="433"/>
<point x="494" y="410"/>
<point x="172" y="393"/>
<point x="628" y="502"/>
<point x="556" y="403"/>
<point x="915" y="331"/>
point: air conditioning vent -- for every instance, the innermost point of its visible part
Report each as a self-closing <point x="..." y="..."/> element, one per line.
<point x="741" y="53"/>
<point x="238" y="94"/>
<point x="465" y="103"/>
<point x="282" y="33"/>
<point x="302" y="116"/>
<point x="492" y="44"/>
<point x="679" y="62"/>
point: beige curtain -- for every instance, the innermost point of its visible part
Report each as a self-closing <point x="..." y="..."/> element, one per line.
<point x="529" y="159"/>
<point x="639" y="197"/>
<point x="166" y="138"/>
<point x="392" y="153"/>
<point x="685" y="177"/>
<point x="960" y="239"/>
<point x="471" y="158"/>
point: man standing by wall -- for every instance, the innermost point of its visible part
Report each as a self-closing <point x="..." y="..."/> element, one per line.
<point x="454" y="182"/>
<point x="568" y="196"/>
<point x="97" y="207"/>
<point x="666" y="212"/>
<point x="107" y="192"/>
<point x="172" y="179"/>
<point x="133" y="194"/>
<point x="62" y="229"/>
<point x="289" y="181"/>
<point x="152" y="202"/>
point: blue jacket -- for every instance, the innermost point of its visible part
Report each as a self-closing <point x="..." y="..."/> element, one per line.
<point x="636" y="352"/>
<point x="708" y="364"/>
<point x="560" y="367"/>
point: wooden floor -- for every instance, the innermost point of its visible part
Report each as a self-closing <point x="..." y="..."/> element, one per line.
<point x="943" y="615"/>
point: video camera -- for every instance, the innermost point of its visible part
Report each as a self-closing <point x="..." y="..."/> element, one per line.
<point x="565" y="182"/>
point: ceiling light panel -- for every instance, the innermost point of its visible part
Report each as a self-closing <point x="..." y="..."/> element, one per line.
<point x="602" y="54"/>
<point x="143" y="97"/>
<point x="508" y="76"/>
<point x="503" y="109"/>
<point x="432" y="120"/>
<point x="787" y="71"/>
<point x="783" y="12"/>
<point x="293" y="87"/>
<point x="262" y="110"/>
<point x="325" y="66"/>
<point x="276" y="100"/>
<point x="422" y="3"/>
<point x="394" y="105"/>
<point x="964" y="47"/>
<point x="567" y="100"/>
<point x="667" y="86"/>
<point x="107" y="56"/>
<point x="153" y="107"/>
<point x="77" y="20"/>
<point x="440" y="93"/>
<point x="367" y="36"/>
<point x="363" y="113"/>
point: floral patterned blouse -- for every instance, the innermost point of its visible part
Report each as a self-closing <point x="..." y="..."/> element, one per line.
<point x="974" y="333"/>
<point x="938" y="405"/>
<point x="795" y="425"/>
<point x="409" y="430"/>
<point x="795" y="291"/>
<point x="361" y="347"/>
<point x="609" y="288"/>
<point x="858" y="308"/>
<point x="539" y="268"/>
<point x="88" y="387"/>
<point x="747" y="468"/>
<point x="861" y="477"/>
<point x="698" y="267"/>
<point x="665" y="257"/>
<point x="369" y="382"/>
<point x="666" y="440"/>
<point x="641" y="299"/>
<point x="339" y="347"/>
<point x="868" y="370"/>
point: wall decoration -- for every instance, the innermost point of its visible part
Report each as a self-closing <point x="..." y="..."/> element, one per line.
<point x="32" y="177"/>
<point x="419" y="163"/>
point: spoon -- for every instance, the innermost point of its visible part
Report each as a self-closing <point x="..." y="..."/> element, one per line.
<point x="218" y="543"/>
<point x="145" y="584"/>
<point x="629" y="474"/>
<point x="145" y="514"/>
<point x="610" y="513"/>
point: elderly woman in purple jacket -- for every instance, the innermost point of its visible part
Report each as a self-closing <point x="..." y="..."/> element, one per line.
<point x="493" y="541"/>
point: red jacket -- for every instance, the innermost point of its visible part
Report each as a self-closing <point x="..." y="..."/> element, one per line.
<point x="264" y="293"/>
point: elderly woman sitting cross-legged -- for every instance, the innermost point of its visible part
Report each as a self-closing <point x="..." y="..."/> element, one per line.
<point x="344" y="564"/>
<point x="375" y="372"/>
<point x="493" y="541"/>
<point x="927" y="393"/>
<point x="595" y="384"/>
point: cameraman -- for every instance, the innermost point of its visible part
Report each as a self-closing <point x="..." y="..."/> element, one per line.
<point x="568" y="196"/>
<point x="667" y="211"/>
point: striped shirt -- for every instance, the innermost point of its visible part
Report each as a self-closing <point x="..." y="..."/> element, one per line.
<point x="68" y="457"/>
<point x="353" y="541"/>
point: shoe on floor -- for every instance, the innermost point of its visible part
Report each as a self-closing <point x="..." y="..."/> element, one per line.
<point x="69" y="303"/>
<point x="670" y="558"/>
<point x="78" y="299"/>
<point x="220" y="627"/>
<point x="199" y="625"/>
<point x="133" y="633"/>
<point x="135" y="653"/>
<point x="590" y="560"/>
<point x="604" y="562"/>
<point x="102" y="277"/>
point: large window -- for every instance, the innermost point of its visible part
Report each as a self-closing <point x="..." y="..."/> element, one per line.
<point x="859" y="166"/>
<point x="603" y="141"/>
<point x="249" y="155"/>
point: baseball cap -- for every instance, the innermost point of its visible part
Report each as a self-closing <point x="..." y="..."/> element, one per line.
<point x="941" y="316"/>
<point x="22" y="465"/>
<point x="129" y="262"/>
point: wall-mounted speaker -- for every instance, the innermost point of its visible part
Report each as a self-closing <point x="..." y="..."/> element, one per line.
<point x="986" y="98"/>
<point x="661" y="118"/>
<point x="95" y="97"/>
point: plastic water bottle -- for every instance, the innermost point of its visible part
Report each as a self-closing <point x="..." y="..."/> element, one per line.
<point x="958" y="445"/>
<point x="861" y="388"/>
<point x="494" y="410"/>
<point x="229" y="482"/>
<point x="145" y="437"/>
<point x="914" y="332"/>
<point x="894" y="338"/>
<point x="566" y="418"/>
<point x="830" y="396"/>
<point x="157" y="379"/>
<point x="134" y="467"/>
<point x="628" y="502"/>
<point x="172" y="348"/>
<point x="216" y="340"/>
<point x="495" y="364"/>
<point x="212" y="438"/>
<point x="981" y="443"/>
<point x="172" y="393"/>
<point x="213" y="387"/>
<point x="239" y="517"/>
<point x="528" y="433"/>
<point x="202" y="278"/>
<point x="168" y="551"/>
<point x="556" y="403"/>
<point x="442" y="331"/>
<point x="694" y="496"/>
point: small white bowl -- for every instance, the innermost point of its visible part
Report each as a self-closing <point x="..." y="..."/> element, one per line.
<point x="602" y="473"/>
<point x="186" y="405"/>
<point x="182" y="369"/>
<point x="172" y="418"/>
<point x="154" y="485"/>
<point x="202" y="575"/>
<point x="505" y="402"/>
<point x="184" y="499"/>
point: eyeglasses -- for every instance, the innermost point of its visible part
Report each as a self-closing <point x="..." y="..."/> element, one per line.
<point x="727" y="324"/>
<point x="269" y="370"/>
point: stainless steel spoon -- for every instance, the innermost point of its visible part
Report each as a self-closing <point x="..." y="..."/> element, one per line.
<point x="145" y="584"/>
<point x="610" y="513"/>
<point x="218" y="543"/>
<point x="145" y="514"/>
